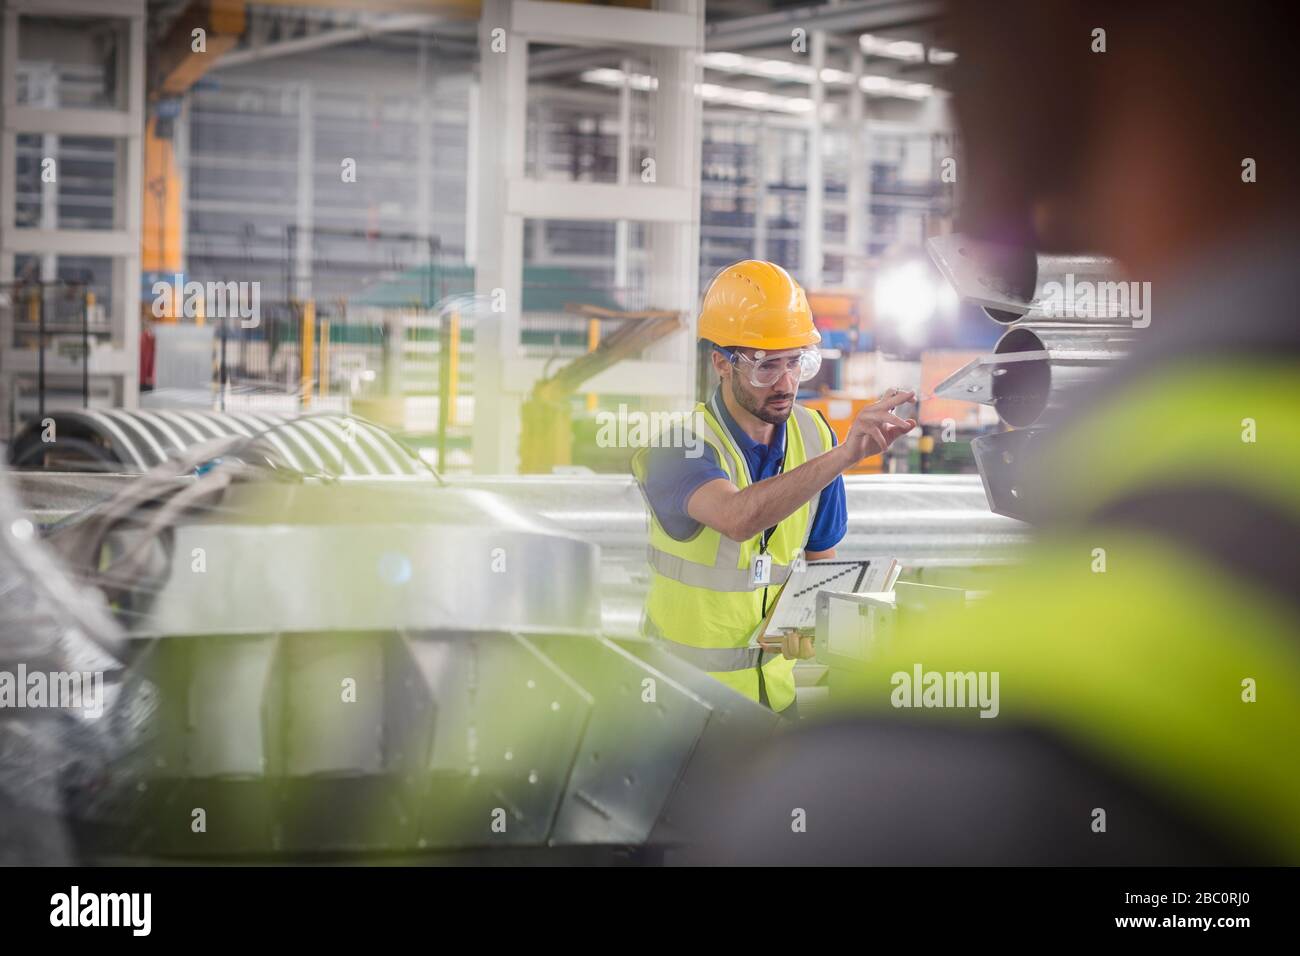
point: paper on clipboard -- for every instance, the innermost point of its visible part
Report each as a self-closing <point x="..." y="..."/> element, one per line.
<point x="796" y="605"/>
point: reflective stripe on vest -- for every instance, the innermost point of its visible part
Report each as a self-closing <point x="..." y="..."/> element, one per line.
<point x="716" y="659"/>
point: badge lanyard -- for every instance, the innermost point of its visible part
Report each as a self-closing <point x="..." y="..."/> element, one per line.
<point x="760" y="574"/>
<point x="760" y="571"/>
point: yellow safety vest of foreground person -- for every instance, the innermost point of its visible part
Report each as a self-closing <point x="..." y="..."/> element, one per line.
<point x="709" y="593"/>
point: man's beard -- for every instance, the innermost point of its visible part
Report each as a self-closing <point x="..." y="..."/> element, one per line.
<point x="751" y="404"/>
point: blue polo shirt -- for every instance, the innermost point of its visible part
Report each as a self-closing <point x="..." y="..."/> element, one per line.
<point x="672" y="477"/>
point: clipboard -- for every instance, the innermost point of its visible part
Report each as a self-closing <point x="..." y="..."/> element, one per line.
<point x="795" y="607"/>
<point x="765" y="626"/>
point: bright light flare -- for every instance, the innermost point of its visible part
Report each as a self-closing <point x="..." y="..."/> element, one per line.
<point x="907" y="296"/>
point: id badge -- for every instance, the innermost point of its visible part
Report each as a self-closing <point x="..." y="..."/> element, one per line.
<point x="799" y="564"/>
<point x="760" y="572"/>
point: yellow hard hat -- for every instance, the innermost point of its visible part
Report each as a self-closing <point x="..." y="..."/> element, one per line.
<point x="755" y="304"/>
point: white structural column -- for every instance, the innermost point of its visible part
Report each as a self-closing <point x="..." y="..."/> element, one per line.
<point x="859" y="184"/>
<point x="472" y="178"/>
<point x="424" y="163"/>
<point x="673" y="269"/>
<point x="812" y="257"/>
<point x="673" y="36"/>
<point x="43" y="91"/>
<point x="423" y="96"/>
<point x="623" y="229"/>
<point x="128" y="205"/>
<point x="499" y="238"/>
<point x="124" y="123"/>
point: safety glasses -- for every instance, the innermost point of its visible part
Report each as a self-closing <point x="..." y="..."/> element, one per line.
<point x="765" y="371"/>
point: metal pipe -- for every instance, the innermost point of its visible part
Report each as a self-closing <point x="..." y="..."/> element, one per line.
<point x="922" y="519"/>
<point x="329" y="38"/>
<point x="1032" y="280"/>
<point x="1014" y="284"/>
<point x="1036" y="391"/>
<point x="307" y="361"/>
<point x="444" y="383"/>
<point x="323" y="376"/>
<point x="87" y="301"/>
<point x="40" y="351"/>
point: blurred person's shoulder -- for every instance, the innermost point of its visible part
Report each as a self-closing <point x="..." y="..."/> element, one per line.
<point x="997" y="738"/>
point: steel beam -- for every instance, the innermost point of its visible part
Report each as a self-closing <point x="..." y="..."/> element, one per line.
<point x="862" y="16"/>
<point x="546" y="21"/>
<point x="329" y="38"/>
<point x="813" y="232"/>
<point x="499" y="237"/>
<point x="543" y="199"/>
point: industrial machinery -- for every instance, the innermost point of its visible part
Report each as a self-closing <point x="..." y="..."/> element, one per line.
<point x="316" y="669"/>
<point x="304" y="663"/>
<point x="1070" y="319"/>
<point x="852" y="628"/>
<point x="546" y="439"/>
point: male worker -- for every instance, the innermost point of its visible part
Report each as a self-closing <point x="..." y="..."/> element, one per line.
<point x="1147" y="648"/>
<point x="728" y="525"/>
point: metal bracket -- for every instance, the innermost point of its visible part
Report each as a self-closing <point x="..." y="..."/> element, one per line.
<point x="974" y="382"/>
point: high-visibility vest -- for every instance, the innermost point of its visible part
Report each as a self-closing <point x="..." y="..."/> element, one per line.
<point x="702" y="602"/>
<point x="1131" y="631"/>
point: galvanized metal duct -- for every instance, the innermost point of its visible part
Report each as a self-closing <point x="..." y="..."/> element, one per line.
<point x="137" y="440"/>
<point x="483" y="745"/>
<point x="361" y="667"/>
<point x="1071" y="318"/>
<point x="314" y="557"/>
<point x="1037" y="390"/>
<point x="1013" y="283"/>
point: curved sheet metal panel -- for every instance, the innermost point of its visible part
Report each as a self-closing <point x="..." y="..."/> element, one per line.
<point x="140" y="439"/>
<point x="291" y="558"/>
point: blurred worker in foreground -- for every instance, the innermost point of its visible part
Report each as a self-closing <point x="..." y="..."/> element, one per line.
<point x="730" y="518"/>
<point x="1150" y="702"/>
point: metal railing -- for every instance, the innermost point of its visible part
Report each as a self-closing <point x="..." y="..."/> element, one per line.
<point x="36" y="315"/>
